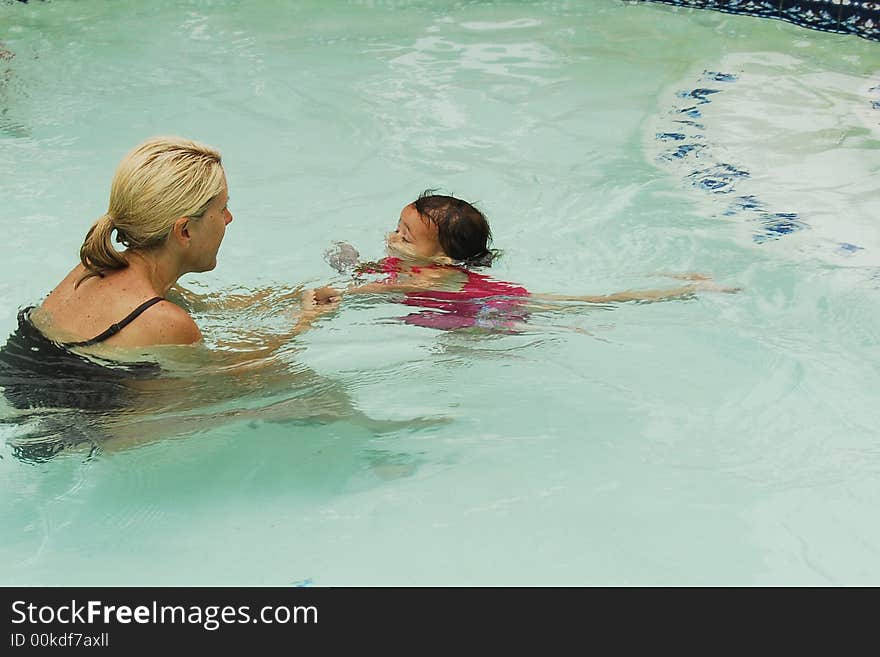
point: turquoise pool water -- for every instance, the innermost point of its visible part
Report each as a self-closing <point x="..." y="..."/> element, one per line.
<point x="730" y="439"/>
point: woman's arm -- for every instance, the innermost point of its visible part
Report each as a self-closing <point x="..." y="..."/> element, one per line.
<point x="252" y="345"/>
<point x="315" y="303"/>
<point x="260" y="299"/>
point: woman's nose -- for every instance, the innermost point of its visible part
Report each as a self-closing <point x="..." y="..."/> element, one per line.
<point x="228" y="217"/>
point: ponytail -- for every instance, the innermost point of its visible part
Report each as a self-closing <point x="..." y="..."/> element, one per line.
<point x="161" y="180"/>
<point x="97" y="253"/>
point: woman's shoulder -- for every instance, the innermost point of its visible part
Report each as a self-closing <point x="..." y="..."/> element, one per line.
<point x="82" y="310"/>
<point x="164" y="323"/>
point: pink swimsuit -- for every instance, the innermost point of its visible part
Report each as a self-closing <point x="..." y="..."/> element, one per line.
<point x="481" y="303"/>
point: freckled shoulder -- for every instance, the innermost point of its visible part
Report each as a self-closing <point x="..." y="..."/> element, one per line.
<point x="165" y="323"/>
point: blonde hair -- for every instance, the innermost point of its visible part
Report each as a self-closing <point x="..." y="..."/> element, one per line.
<point x="161" y="180"/>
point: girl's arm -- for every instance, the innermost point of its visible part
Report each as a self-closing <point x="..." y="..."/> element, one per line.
<point x="427" y="279"/>
<point x="325" y="295"/>
<point x="647" y="296"/>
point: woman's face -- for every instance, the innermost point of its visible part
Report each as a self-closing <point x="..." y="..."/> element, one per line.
<point x="208" y="230"/>
<point x="415" y="236"/>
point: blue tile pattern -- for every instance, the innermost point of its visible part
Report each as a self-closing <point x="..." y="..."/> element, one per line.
<point x="858" y="17"/>
<point x="686" y="145"/>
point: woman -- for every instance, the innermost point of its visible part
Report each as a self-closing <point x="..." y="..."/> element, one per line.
<point x="84" y="347"/>
<point x="168" y="207"/>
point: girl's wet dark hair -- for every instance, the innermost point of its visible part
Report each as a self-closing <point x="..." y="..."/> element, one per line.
<point x="462" y="230"/>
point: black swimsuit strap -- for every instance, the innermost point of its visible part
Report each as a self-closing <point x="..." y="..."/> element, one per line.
<point x="116" y="328"/>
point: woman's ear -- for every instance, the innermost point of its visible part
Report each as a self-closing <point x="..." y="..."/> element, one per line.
<point x="180" y="231"/>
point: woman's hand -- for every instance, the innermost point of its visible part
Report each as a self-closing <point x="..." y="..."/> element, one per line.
<point x="326" y="295"/>
<point x="314" y="303"/>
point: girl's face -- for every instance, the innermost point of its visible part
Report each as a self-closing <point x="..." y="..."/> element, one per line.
<point x="415" y="236"/>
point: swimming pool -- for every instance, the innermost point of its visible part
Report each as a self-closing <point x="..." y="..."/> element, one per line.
<point x="731" y="439"/>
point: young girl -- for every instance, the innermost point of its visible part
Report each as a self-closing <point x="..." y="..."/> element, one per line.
<point x="438" y="241"/>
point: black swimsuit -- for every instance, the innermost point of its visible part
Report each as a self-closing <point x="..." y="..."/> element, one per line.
<point x="36" y="372"/>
